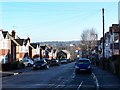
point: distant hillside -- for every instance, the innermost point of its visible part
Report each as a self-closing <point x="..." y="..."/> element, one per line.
<point x="59" y="43"/>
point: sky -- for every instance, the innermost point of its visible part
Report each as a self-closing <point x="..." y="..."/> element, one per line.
<point x="56" y="21"/>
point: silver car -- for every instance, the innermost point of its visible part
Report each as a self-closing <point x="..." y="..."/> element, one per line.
<point x="27" y="62"/>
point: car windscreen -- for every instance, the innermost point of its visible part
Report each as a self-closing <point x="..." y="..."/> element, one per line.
<point x="63" y="59"/>
<point x="40" y="62"/>
<point x="84" y="62"/>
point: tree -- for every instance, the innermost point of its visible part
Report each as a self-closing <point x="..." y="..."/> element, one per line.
<point x="88" y="41"/>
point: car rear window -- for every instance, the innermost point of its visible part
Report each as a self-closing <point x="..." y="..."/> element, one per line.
<point x="84" y="62"/>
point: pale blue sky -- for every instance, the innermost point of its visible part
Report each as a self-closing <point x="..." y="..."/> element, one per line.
<point x="60" y="21"/>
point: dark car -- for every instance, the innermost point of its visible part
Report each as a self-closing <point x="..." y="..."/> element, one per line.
<point x="55" y="62"/>
<point x="63" y="61"/>
<point x="83" y="65"/>
<point x="48" y="61"/>
<point x="41" y="64"/>
<point x="69" y="60"/>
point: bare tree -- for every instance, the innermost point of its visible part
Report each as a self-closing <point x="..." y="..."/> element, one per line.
<point x="88" y="41"/>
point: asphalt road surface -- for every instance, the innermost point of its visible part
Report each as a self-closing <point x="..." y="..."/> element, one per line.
<point x="62" y="77"/>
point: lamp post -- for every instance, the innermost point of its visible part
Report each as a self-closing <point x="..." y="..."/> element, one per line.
<point x="103" y="61"/>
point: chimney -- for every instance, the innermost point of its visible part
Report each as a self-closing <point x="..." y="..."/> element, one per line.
<point x="13" y="34"/>
<point x="28" y="39"/>
<point x="1" y="30"/>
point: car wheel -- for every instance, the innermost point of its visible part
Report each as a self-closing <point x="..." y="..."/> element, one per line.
<point x="29" y="65"/>
<point x="47" y="66"/>
<point x="34" y="69"/>
<point x="76" y="72"/>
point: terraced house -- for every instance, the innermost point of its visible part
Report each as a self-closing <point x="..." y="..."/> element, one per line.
<point x="12" y="48"/>
<point x="5" y="46"/>
<point x="111" y="42"/>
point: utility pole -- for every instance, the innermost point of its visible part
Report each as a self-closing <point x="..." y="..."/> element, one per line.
<point x="103" y="59"/>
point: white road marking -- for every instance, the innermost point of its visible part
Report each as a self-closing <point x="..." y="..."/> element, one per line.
<point x="80" y="85"/>
<point x="95" y="80"/>
<point x="59" y="85"/>
<point x="15" y="73"/>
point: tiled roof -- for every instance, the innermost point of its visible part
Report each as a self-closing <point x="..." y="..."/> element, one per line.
<point x="65" y="51"/>
<point x="4" y="33"/>
<point x="34" y="45"/>
<point x="43" y="47"/>
<point x="21" y="41"/>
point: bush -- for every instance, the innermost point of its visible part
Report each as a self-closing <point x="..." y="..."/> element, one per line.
<point x="6" y="67"/>
<point x="15" y="65"/>
<point x="107" y="63"/>
<point x="21" y="65"/>
<point x="117" y="65"/>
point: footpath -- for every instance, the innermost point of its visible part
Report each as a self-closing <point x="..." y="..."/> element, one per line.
<point x="14" y="72"/>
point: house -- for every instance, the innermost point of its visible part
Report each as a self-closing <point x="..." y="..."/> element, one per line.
<point x="114" y="39"/>
<point x="5" y="46"/>
<point x="19" y="47"/>
<point x="14" y="46"/>
<point x="100" y="48"/>
<point x="51" y="53"/>
<point x="107" y="45"/>
<point x="31" y="51"/>
<point x="111" y="42"/>
<point x="64" y="54"/>
<point x="54" y="54"/>
<point x="35" y="50"/>
<point x="23" y="48"/>
<point x="44" y="53"/>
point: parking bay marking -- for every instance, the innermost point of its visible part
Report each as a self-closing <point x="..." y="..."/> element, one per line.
<point x="80" y="85"/>
<point x="96" y="81"/>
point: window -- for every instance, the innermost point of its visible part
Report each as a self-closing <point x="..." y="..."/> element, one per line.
<point x="3" y="44"/>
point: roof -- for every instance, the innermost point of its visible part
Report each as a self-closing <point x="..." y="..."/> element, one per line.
<point x="21" y="41"/>
<point x="65" y="51"/>
<point x="34" y="45"/>
<point x="4" y="33"/>
<point x="13" y="40"/>
<point x="43" y="47"/>
<point x="17" y="37"/>
<point x="48" y="49"/>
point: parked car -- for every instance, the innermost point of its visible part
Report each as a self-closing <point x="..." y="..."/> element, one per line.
<point x="41" y="64"/>
<point x="83" y="65"/>
<point x="63" y="61"/>
<point x="27" y="62"/>
<point x="36" y="59"/>
<point x="69" y="60"/>
<point x="55" y="62"/>
<point x="48" y="61"/>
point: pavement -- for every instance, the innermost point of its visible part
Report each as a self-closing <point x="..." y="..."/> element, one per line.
<point x="14" y="72"/>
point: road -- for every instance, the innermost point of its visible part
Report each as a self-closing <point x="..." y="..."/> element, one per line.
<point x="62" y="77"/>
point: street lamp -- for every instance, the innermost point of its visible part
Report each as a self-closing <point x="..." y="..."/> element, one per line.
<point x="103" y="61"/>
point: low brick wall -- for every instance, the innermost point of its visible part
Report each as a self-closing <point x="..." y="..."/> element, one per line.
<point x="12" y="66"/>
<point x="112" y="64"/>
<point x="115" y="65"/>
